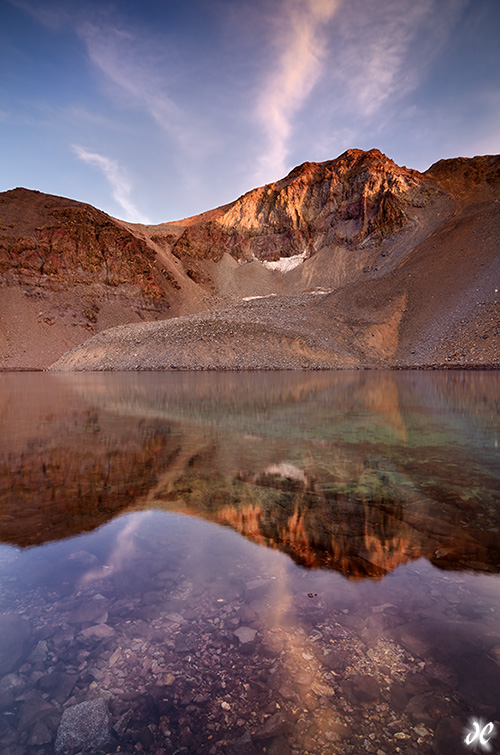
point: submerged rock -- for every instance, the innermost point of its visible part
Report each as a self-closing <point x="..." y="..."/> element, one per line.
<point x="58" y="685"/>
<point x="84" y="727"/>
<point x="336" y="659"/>
<point x="14" y="631"/>
<point x="362" y="689"/>
<point x="245" y="634"/>
<point x="427" y="708"/>
<point x="39" y="653"/>
<point x="89" y="612"/>
<point x="34" y="709"/>
<point x="273" y="727"/>
<point x="95" y="634"/>
<point x="449" y="732"/>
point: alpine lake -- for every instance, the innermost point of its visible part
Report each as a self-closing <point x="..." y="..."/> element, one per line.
<point x="249" y="563"/>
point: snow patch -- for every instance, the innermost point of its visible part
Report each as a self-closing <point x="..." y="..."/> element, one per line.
<point x="250" y="298"/>
<point x="285" y="264"/>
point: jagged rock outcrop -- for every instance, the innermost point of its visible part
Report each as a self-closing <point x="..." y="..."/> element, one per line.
<point x="357" y="198"/>
<point x="463" y="176"/>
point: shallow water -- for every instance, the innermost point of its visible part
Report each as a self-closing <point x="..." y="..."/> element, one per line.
<point x="249" y="563"/>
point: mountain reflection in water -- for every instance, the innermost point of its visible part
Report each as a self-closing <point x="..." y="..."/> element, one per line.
<point x="358" y="472"/>
<point x="349" y="474"/>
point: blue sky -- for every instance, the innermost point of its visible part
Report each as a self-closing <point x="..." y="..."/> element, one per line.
<point x="154" y="110"/>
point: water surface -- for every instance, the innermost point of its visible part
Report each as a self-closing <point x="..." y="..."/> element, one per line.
<point x="249" y="563"/>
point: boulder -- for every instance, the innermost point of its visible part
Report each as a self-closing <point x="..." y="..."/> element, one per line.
<point x="84" y="727"/>
<point x="14" y="632"/>
<point x="362" y="689"/>
<point x="97" y="633"/>
<point x="275" y="726"/>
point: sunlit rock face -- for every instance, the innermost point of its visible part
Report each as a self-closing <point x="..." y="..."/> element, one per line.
<point x="358" y="197"/>
<point x="467" y="177"/>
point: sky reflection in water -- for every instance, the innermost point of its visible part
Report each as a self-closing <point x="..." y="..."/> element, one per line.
<point x="369" y="621"/>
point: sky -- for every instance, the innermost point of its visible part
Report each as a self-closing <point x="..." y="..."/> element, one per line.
<point x="155" y="110"/>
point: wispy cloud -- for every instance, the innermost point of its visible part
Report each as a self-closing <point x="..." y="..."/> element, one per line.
<point x="123" y="551"/>
<point x="140" y="69"/>
<point x="378" y="59"/>
<point x="53" y="14"/>
<point x="120" y="184"/>
<point x="300" y="42"/>
<point x="144" y="70"/>
<point x="139" y="63"/>
<point x="385" y="50"/>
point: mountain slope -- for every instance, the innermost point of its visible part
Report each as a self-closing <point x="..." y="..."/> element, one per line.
<point x="354" y="262"/>
<point x="68" y="270"/>
<point x="413" y="286"/>
<point x="353" y="208"/>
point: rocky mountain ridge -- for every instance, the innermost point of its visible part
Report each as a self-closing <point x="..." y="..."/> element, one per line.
<point x="379" y="265"/>
<point x="357" y="197"/>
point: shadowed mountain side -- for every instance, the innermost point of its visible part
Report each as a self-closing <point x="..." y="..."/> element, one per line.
<point x="413" y="317"/>
<point x="450" y="287"/>
<point x="68" y="270"/>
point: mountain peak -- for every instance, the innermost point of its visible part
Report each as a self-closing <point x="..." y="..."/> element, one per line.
<point x="373" y="157"/>
<point x="357" y="196"/>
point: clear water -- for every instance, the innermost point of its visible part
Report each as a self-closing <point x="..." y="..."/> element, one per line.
<point x="249" y="563"/>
